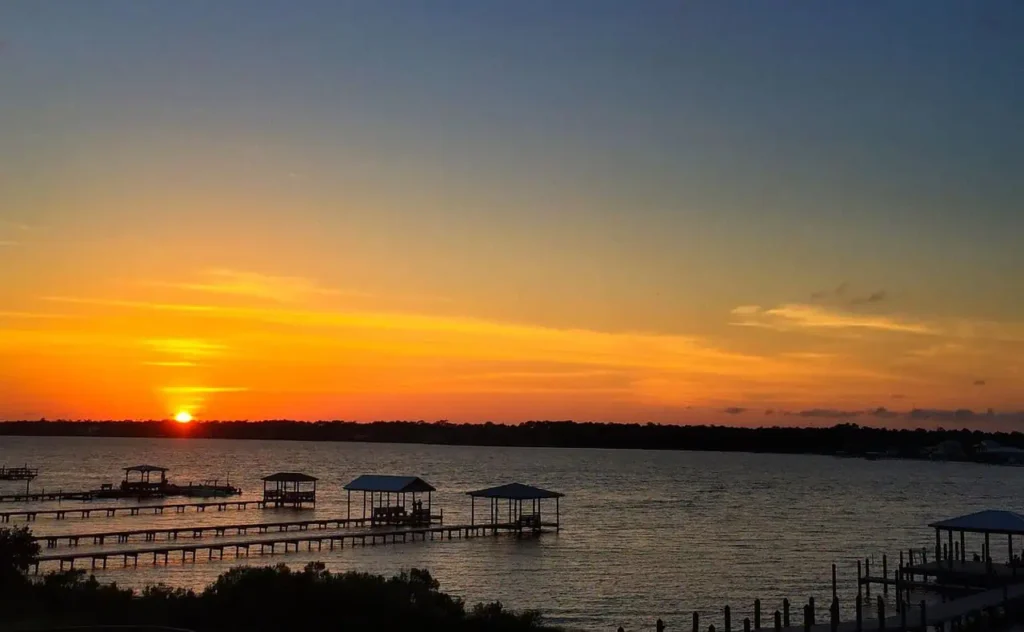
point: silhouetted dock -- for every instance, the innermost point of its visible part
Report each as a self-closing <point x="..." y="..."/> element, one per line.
<point x="24" y="473"/>
<point x="131" y="510"/>
<point x="198" y="531"/>
<point x="46" y="496"/>
<point x="215" y="549"/>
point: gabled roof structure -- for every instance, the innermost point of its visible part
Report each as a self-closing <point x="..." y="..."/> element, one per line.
<point x="515" y="491"/>
<point x="290" y="477"/>
<point x="145" y="468"/>
<point x="390" y="484"/>
<point x="988" y="521"/>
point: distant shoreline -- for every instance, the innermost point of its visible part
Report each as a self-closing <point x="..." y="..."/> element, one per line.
<point x="839" y="440"/>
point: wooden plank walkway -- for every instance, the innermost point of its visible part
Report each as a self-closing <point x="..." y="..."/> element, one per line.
<point x="35" y="497"/>
<point x="198" y="531"/>
<point x="271" y="544"/>
<point x="131" y="510"/>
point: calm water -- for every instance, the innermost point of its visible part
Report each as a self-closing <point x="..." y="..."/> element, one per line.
<point x="645" y="534"/>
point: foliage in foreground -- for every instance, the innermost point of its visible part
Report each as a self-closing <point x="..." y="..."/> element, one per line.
<point x="250" y="599"/>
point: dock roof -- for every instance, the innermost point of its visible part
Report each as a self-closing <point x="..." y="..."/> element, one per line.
<point x="290" y="477"/>
<point x="145" y="468"/>
<point x="393" y="484"/>
<point x="988" y="521"/>
<point x="515" y="491"/>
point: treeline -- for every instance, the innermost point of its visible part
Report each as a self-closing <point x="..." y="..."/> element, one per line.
<point x="842" y="438"/>
<point x="249" y="599"/>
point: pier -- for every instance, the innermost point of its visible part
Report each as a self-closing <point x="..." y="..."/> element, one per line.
<point x="24" y="473"/>
<point x="136" y="510"/>
<point x="197" y="531"/>
<point x="45" y="496"/>
<point x="215" y="549"/>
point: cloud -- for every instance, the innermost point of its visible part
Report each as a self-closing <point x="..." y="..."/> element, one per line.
<point x="32" y="315"/>
<point x="172" y="363"/>
<point x="980" y="382"/>
<point x="799" y="316"/>
<point x="202" y="390"/>
<point x="840" y="296"/>
<point x="874" y="297"/>
<point x="282" y="289"/>
<point x="185" y="347"/>
<point x="7" y="243"/>
<point x="828" y="413"/>
<point x="745" y="310"/>
<point x="735" y="411"/>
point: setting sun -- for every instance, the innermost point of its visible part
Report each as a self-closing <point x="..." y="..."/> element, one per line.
<point x="183" y="417"/>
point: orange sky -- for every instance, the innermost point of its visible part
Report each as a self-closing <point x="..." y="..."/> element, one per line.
<point x="623" y="212"/>
<point x="224" y="343"/>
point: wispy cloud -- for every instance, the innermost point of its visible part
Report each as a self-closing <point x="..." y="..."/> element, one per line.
<point x="172" y="363"/>
<point x="799" y="316"/>
<point x="7" y="243"/>
<point x="33" y="315"/>
<point x="202" y="390"/>
<point x="282" y="289"/>
<point x="185" y="347"/>
<point x="841" y="295"/>
<point x="870" y="299"/>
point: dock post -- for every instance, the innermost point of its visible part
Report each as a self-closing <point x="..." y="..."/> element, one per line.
<point x="757" y="614"/>
<point x="810" y="604"/>
<point x="860" y="577"/>
<point x="807" y="618"/>
<point x="785" y="612"/>
<point x="903" y="619"/>
<point x="711" y="628"/>
<point x="696" y="621"/>
<point x="867" y="577"/>
<point x="924" y="616"/>
<point x="835" y="592"/>
<point x="778" y="621"/>
<point x="728" y="619"/>
<point x="860" y="612"/>
<point x="834" y="614"/>
<point x="899" y="594"/>
<point x="885" y="575"/>
<point x="881" y="613"/>
<point x="746" y="624"/>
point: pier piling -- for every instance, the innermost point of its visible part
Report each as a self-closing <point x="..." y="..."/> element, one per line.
<point x="728" y="619"/>
<point x="881" y="613"/>
<point x="834" y="587"/>
<point x="778" y="621"/>
<point x="860" y="613"/>
<point x="696" y="621"/>
<point x="746" y="624"/>
<point x="785" y="613"/>
<point x="757" y="614"/>
<point x="885" y="575"/>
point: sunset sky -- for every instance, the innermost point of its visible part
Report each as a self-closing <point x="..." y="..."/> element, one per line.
<point x="749" y="213"/>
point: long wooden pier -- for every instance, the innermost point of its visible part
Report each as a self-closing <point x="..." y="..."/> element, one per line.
<point x="198" y="531"/>
<point x="215" y="549"/>
<point x="131" y="510"/>
<point x="44" y="496"/>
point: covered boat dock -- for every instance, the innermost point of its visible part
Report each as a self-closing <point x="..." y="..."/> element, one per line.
<point x="143" y="484"/>
<point x="289" y="488"/>
<point x="516" y="494"/>
<point x="394" y="500"/>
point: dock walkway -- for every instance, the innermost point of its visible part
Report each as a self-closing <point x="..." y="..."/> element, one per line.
<point x="189" y="551"/>
<point x="44" y="496"/>
<point x="198" y="531"/>
<point x="132" y="510"/>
